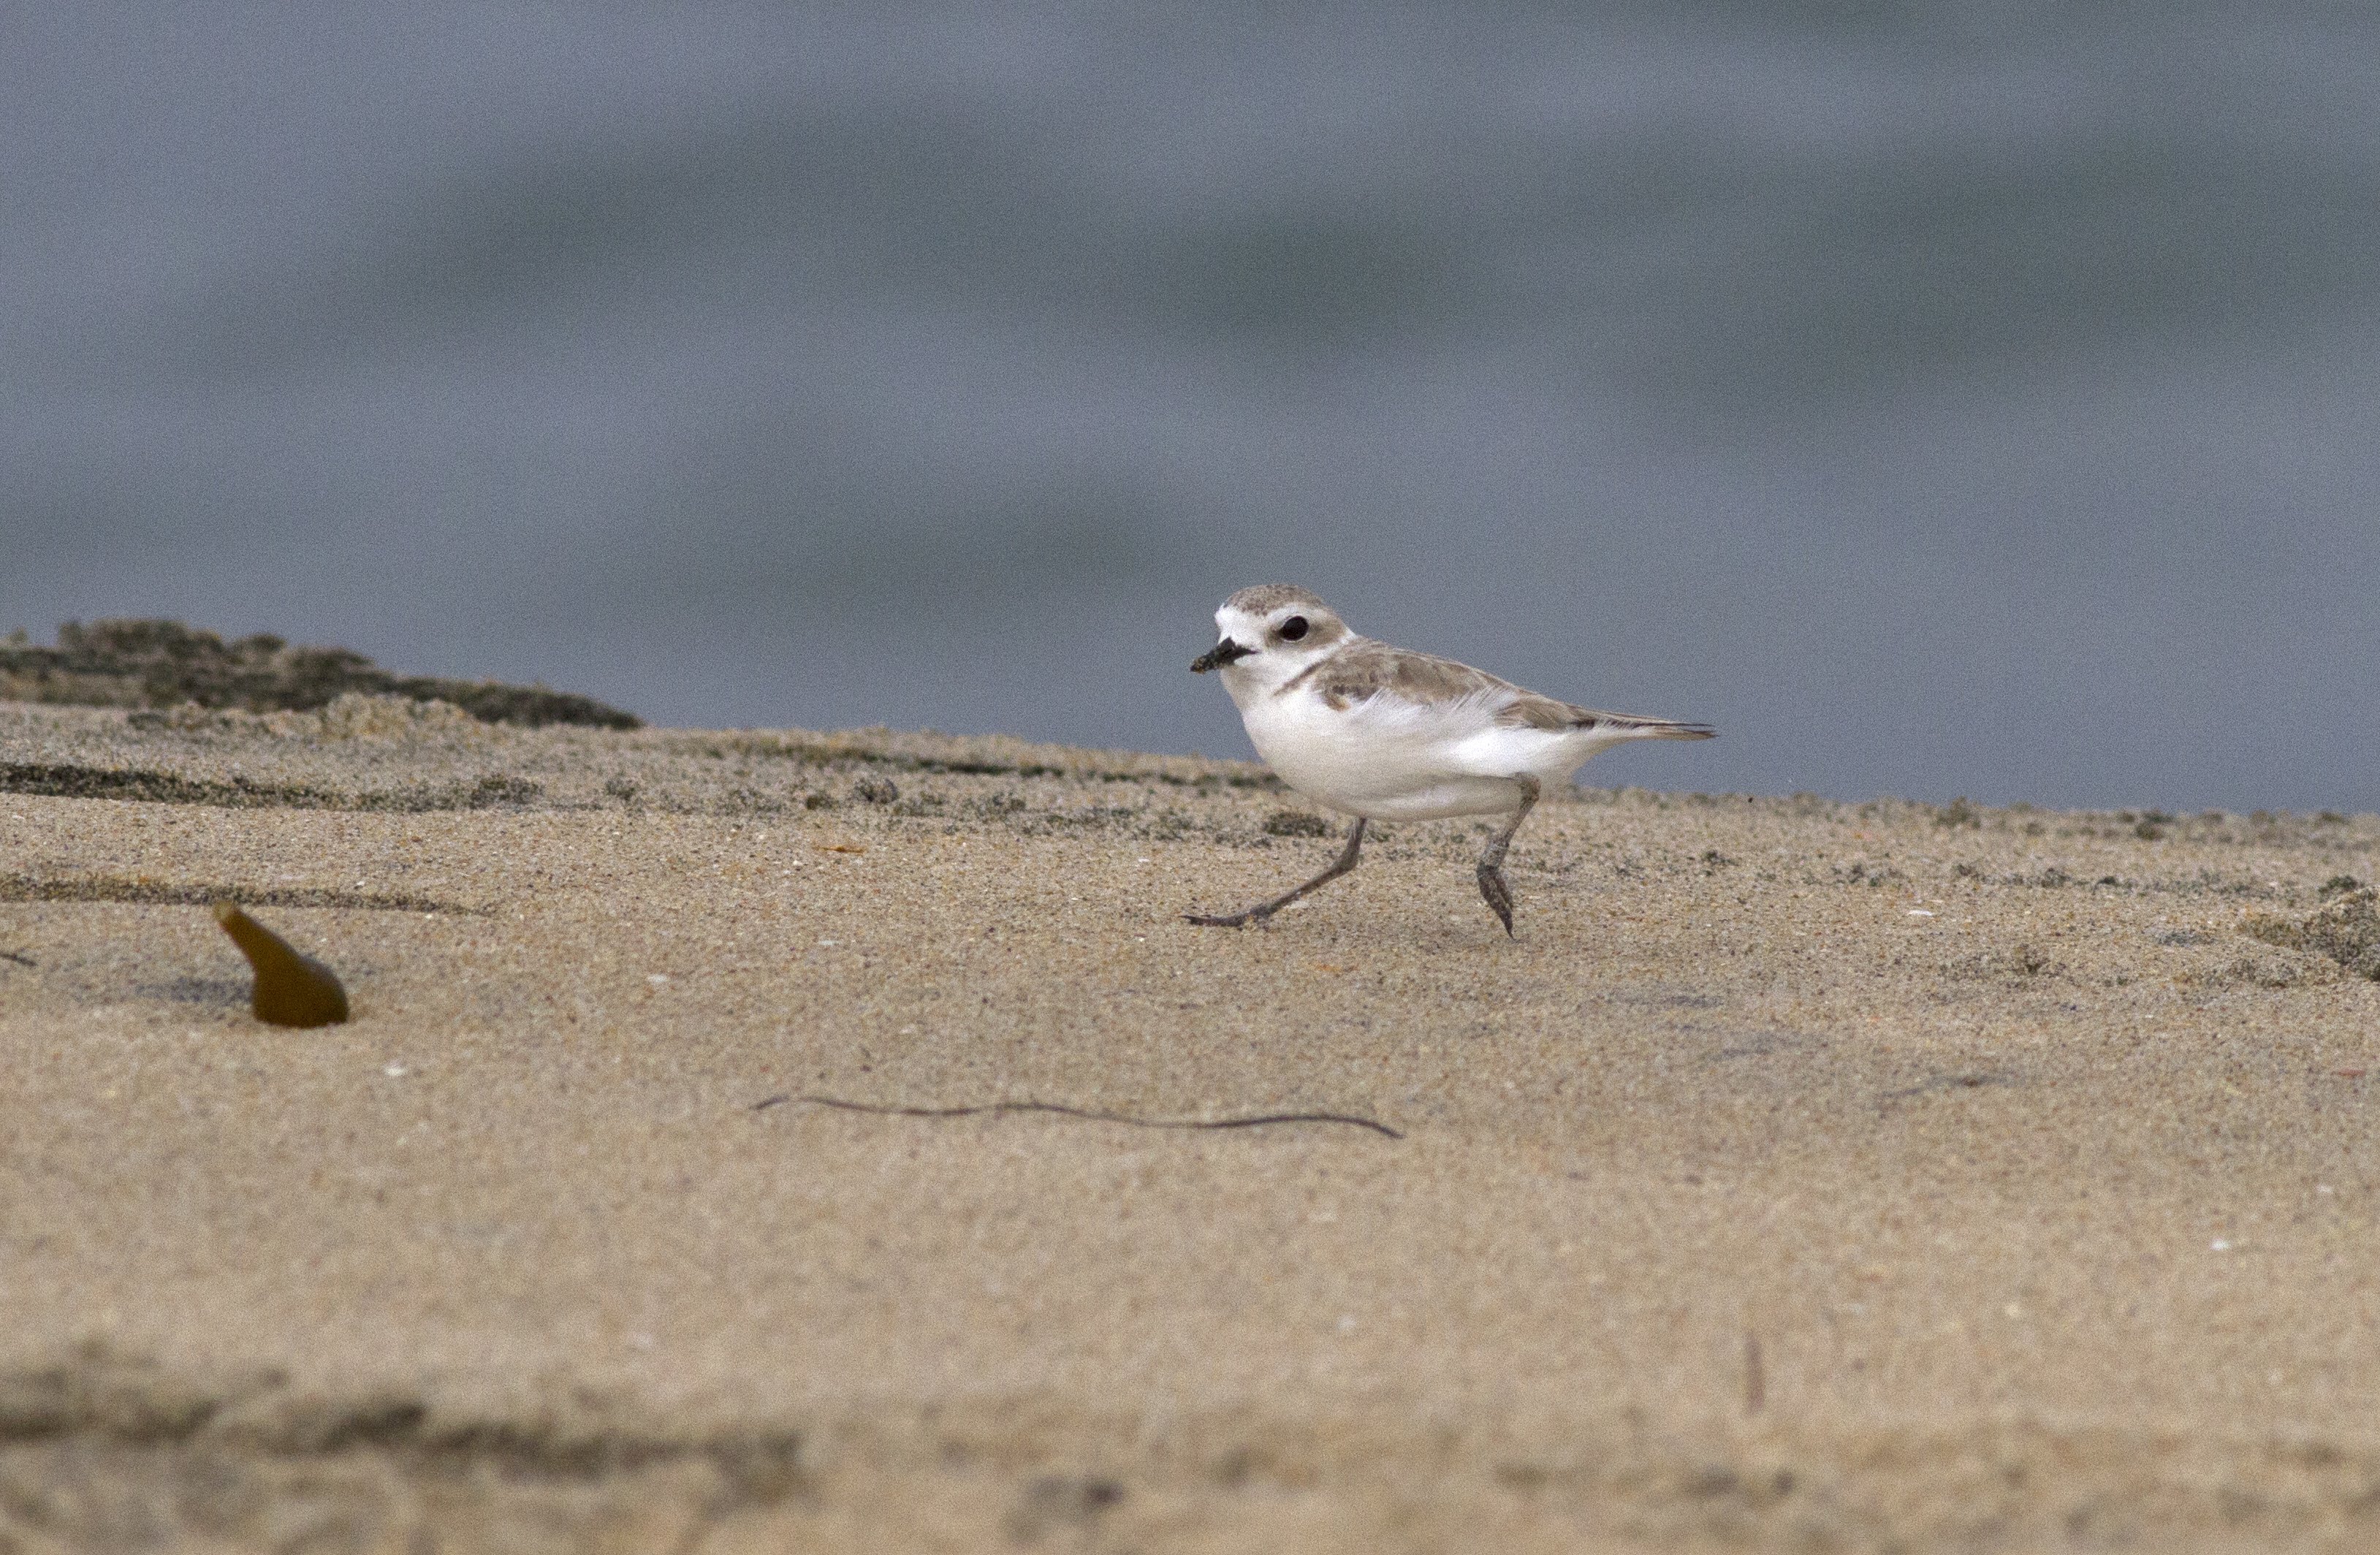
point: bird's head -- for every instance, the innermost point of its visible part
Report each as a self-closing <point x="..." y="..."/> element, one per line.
<point x="1268" y="634"/>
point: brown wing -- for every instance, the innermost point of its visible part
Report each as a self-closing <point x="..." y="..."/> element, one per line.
<point x="1365" y="668"/>
<point x="1533" y="712"/>
<point x="1530" y="710"/>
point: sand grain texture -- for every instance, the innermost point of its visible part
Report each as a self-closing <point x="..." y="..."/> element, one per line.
<point x="1804" y="1176"/>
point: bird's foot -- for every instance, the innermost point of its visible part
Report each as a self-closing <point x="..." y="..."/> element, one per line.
<point x="1499" y="894"/>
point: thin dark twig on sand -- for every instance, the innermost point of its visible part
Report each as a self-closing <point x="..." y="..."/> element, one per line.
<point x="1088" y="1114"/>
<point x="18" y="957"/>
<point x="1948" y="1082"/>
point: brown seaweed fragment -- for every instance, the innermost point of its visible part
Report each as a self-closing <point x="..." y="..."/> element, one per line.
<point x="291" y="989"/>
<point x="1092" y="1114"/>
<point x="141" y="889"/>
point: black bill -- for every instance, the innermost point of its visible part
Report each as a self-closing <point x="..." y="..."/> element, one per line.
<point x="1218" y="656"/>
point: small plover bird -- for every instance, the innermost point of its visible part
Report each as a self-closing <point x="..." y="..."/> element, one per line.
<point x="1385" y="733"/>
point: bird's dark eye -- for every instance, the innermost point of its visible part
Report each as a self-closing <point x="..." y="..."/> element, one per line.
<point x="1293" y="628"/>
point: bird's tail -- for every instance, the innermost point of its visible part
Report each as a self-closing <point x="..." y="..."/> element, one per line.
<point x="1626" y="727"/>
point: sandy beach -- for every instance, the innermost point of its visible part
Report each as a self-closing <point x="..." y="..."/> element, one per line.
<point x="1806" y="1175"/>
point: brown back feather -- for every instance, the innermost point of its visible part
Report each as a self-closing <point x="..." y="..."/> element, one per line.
<point x="1364" y="668"/>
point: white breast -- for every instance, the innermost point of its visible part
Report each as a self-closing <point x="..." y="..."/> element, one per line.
<point x="1391" y="759"/>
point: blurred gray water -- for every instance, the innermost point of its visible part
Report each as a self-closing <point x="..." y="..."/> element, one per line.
<point x="1941" y="399"/>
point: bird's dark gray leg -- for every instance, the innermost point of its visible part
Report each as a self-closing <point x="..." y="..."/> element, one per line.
<point x="1259" y="913"/>
<point x="1492" y="883"/>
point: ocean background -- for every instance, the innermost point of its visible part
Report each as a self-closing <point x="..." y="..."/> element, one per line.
<point x="1942" y="399"/>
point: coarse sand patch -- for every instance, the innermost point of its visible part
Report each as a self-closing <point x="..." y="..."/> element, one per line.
<point x="776" y="1140"/>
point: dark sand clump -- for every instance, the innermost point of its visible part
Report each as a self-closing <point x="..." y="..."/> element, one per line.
<point x="769" y="1140"/>
<point x="165" y="665"/>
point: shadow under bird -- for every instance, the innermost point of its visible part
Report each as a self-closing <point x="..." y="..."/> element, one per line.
<point x="1386" y="734"/>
